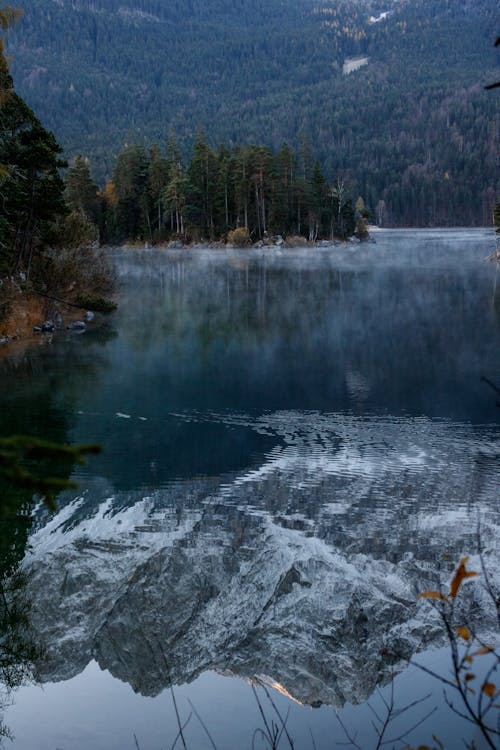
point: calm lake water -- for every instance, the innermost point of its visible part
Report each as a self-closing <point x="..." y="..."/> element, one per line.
<point x="295" y="443"/>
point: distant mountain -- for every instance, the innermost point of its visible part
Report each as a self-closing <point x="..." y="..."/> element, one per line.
<point x="410" y="127"/>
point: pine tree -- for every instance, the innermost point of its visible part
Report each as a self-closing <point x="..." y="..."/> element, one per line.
<point x="223" y="204"/>
<point x="283" y="197"/>
<point x="157" y="181"/>
<point x="202" y="175"/>
<point x="30" y="184"/>
<point x="241" y="184"/>
<point x="261" y="166"/>
<point x="317" y="203"/>
<point x="130" y="179"/>
<point x="81" y="193"/>
<point x="174" y="194"/>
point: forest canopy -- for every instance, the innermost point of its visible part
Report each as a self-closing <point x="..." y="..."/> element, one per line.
<point x="153" y="197"/>
<point x="413" y="131"/>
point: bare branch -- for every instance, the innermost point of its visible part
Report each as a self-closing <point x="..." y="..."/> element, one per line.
<point x="261" y="710"/>
<point x="351" y="739"/>
<point x="374" y="712"/>
<point x="256" y="733"/>
<point x="434" y="674"/>
<point x="407" y="732"/>
<point x="181" y="728"/>
<point x="203" y="725"/>
<point x="180" y="733"/>
<point x="411" y="705"/>
<point x="283" y="722"/>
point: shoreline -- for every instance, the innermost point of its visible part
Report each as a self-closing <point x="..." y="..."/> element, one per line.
<point x="280" y="243"/>
<point x="277" y="243"/>
<point x="32" y="316"/>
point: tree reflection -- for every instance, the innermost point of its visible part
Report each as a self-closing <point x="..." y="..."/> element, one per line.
<point x="19" y="647"/>
<point x="32" y="469"/>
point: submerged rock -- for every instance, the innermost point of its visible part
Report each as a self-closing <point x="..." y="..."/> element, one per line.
<point x="78" y="325"/>
<point x="7" y="339"/>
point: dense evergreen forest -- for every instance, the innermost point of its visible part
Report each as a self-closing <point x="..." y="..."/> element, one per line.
<point x="47" y="246"/>
<point x="242" y="195"/>
<point x="412" y="130"/>
<point x="30" y="181"/>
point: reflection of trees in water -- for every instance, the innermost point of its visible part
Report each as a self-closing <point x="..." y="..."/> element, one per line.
<point x="19" y="647"/>
<point x="18" y="643"/>
<point x="41" y="385"/>
<point x="379" y="324"/>
<point x="35" y="401"/>
<point x="237" y="301"/>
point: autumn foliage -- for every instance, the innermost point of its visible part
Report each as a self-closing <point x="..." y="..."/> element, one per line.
<point x="478" y="695"/>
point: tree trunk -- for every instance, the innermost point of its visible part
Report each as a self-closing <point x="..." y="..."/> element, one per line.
<point x="257" y="207"/>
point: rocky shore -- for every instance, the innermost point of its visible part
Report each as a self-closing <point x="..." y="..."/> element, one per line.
<point x="274" y="241"/>
<point x="31" y="315"/>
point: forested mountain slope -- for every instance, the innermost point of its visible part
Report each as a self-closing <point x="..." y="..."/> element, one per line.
<point x="413" y="130"/>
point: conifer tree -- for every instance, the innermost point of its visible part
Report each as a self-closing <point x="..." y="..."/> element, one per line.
<point x="81" y="192"/>
<point x="202" y="175"/>
<point x="130" y="178"/>
<point x="245" y="187"/>
<point x="241" y="185"/>
<point x="223" y="205"/>
<point x="174" y="194"/>
<point x="157" y="181"/>
<point x="30" y="184"/>
<point x="283" y="202"/>
<point x="317" y="205"/>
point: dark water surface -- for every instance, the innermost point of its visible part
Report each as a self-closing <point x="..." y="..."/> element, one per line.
<point x="294" y="444"/>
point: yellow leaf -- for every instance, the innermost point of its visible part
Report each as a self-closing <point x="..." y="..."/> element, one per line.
<point x="432" y="595"/>
<point x="468" y="659"/>
<point x="460" y="575"/>
<point x="109" y="194"/>
<point x="484" y="650"/>
<point x="489" y="689"/>
<point x="469" y="676"/>
<point x="464" y="632"/>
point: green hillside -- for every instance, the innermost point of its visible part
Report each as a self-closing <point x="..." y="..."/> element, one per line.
<point x="413" y="130"/>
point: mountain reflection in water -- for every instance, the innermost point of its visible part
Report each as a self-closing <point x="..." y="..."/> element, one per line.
<point x="292" y="443"/>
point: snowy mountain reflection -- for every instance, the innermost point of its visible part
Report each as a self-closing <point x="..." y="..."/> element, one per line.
<point x="302" y="569"/>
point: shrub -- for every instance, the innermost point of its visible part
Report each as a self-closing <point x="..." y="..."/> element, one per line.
<point x="96" y="304"/>
<point x="362" y="229"/>
<point x="239" y="237"/>
<point x="296" y="241"/>
<point x="70" y="271"/>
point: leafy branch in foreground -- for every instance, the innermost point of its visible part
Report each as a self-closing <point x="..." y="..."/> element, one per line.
<point x="477" y="696"/>
<point x="24" y="459"/>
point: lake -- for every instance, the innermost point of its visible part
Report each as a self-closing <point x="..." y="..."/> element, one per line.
<point x="295" y="443"/>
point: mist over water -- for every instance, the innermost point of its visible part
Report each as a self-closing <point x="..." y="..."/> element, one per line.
<point x="292" y="439"/>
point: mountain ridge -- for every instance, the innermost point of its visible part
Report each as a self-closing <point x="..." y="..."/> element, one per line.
<point x="413" y="131"/>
